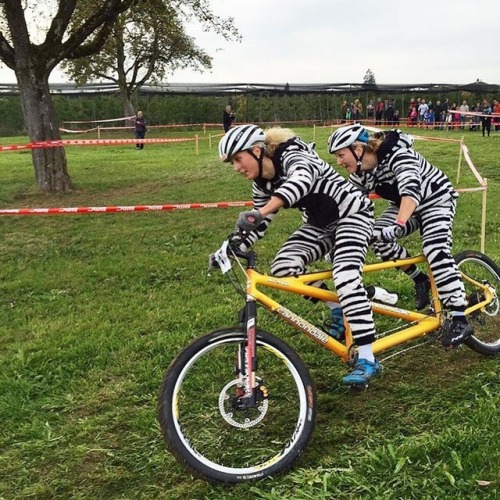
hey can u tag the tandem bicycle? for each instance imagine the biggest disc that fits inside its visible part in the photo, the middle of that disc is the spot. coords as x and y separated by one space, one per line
239 404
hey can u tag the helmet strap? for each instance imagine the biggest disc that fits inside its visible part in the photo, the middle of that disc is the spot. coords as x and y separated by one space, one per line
259 159
359 159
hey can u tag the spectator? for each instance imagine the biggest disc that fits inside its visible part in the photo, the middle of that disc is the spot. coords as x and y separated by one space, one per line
140 129
370 110
464 108
228 118
358 110
431 118
396 118
438 111
446 107
379 111
476 119
389 112
349 112
343 112
422 109
455 116
496 110
485 120
413 117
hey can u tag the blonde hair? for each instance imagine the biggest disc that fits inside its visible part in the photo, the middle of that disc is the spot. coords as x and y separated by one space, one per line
276 136
374 142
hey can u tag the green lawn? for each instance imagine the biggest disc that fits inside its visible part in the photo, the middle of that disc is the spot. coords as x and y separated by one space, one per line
94 308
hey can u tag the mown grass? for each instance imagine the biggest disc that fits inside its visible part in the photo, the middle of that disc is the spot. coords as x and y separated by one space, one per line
94 308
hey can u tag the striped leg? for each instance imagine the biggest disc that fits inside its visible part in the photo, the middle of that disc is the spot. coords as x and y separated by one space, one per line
352 236
436 240
304 246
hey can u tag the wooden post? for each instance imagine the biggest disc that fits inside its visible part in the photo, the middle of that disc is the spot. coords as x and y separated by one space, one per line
483 217
314 132
98 132
460 159
209 141
204 129
196 145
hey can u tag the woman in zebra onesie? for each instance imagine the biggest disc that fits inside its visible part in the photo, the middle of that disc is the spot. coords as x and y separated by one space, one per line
420 197
287 173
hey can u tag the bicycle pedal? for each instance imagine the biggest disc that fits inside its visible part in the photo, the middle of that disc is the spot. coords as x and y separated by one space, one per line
358 387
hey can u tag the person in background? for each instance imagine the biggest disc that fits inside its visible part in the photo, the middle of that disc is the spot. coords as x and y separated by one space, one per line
357 110
370 110
496 110
343 111
464 108
228 118
337 219
396 118
438 110
422 109
486 120
389 112
421 198
140 129
379 111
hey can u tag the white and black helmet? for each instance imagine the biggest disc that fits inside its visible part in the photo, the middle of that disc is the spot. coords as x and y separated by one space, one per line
239 138
344 137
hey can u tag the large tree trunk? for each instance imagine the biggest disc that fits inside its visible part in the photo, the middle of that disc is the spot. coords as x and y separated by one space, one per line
50 164
128 107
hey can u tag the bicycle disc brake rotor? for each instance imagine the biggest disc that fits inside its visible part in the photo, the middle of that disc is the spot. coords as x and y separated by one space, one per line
244 418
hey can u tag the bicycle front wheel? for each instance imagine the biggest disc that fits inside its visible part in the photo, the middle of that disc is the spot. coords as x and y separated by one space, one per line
215 439
477 267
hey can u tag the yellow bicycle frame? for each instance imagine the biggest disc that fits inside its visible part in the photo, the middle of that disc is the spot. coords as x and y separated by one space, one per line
422 323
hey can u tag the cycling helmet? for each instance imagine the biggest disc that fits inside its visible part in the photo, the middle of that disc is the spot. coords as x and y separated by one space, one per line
344 137
239 138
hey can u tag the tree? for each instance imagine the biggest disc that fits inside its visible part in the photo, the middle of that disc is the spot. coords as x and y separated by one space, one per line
369 78
33 63
147 43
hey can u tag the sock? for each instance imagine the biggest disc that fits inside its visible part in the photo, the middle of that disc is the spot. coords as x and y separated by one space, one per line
415 274
366 352
333 305
458 316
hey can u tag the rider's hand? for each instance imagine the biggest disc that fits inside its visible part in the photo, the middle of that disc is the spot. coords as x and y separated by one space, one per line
392 233
248 221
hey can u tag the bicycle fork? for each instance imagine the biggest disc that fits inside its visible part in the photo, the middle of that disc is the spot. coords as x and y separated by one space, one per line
249 391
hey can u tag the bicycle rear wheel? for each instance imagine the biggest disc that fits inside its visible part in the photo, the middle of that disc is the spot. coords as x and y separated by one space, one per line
219 442
486 322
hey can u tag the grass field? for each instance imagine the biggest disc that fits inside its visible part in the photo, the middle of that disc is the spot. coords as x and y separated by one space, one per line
94 307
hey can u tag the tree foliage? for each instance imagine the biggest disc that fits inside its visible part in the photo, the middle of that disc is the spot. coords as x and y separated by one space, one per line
369 78
147 43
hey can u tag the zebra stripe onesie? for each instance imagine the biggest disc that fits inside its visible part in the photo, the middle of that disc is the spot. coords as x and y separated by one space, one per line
401 171
337 216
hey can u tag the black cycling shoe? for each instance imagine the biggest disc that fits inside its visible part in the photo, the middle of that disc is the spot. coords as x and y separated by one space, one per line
422 289
455 332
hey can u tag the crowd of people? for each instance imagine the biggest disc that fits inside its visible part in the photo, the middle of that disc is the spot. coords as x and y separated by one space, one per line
426 114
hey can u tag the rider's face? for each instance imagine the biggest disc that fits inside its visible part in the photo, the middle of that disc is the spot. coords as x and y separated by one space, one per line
346 159
244 163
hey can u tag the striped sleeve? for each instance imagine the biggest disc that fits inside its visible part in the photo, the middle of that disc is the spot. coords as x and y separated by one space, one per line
406 167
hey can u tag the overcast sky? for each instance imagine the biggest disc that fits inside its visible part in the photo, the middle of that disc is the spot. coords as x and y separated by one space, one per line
336 41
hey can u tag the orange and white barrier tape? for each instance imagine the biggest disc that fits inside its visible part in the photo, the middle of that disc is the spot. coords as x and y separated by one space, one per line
118 209
90 142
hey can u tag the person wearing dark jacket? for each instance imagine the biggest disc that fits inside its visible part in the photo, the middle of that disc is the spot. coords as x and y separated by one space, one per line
228 118
140 129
